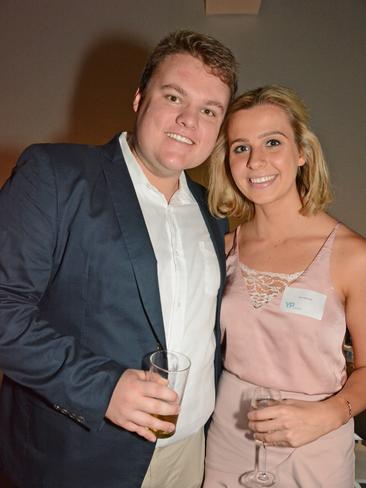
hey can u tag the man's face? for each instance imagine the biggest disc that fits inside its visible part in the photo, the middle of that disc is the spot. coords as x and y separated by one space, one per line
178 116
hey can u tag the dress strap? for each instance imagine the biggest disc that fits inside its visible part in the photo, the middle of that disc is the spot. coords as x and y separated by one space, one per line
331 237
234 245
328 243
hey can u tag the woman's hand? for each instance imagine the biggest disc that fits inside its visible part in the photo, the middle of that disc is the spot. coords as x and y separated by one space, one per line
293 423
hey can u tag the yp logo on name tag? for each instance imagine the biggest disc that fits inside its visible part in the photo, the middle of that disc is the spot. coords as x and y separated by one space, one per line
303 302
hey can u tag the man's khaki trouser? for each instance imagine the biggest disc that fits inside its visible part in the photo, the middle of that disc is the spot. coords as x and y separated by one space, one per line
179 465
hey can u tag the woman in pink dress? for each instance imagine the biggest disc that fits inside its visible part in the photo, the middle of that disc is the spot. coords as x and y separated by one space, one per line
296 278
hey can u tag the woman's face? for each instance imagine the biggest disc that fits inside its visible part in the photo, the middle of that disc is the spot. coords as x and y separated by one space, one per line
263 154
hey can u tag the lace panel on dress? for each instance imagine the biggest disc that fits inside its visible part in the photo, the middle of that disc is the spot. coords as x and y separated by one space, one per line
262 286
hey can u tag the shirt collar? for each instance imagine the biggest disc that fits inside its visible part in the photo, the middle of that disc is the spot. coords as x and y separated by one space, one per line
182 196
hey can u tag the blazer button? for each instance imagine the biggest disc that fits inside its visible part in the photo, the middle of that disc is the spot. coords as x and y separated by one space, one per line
56 407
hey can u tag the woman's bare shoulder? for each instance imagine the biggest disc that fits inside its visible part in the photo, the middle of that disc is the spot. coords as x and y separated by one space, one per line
350 243
350 251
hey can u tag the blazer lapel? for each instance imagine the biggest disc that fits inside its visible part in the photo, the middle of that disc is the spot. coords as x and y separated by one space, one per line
135 235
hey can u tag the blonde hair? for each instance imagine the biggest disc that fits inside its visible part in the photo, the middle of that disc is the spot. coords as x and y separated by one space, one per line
313 185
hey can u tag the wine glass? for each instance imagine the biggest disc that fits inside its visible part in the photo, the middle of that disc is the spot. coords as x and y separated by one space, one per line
262 397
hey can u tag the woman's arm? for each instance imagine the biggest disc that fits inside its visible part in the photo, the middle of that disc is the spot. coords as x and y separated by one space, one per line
351 271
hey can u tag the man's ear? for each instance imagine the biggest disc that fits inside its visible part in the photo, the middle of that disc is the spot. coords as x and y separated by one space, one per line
137 100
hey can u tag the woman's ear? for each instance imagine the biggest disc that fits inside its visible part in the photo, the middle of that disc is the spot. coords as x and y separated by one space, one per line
302 159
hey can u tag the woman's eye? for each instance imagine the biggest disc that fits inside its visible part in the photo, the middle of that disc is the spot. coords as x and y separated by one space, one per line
240 149
273 143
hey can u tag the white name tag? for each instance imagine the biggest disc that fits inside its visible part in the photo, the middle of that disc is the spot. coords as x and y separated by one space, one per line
303 302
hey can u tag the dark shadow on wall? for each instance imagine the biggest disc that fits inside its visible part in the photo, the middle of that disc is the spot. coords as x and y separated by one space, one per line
102 102
101 105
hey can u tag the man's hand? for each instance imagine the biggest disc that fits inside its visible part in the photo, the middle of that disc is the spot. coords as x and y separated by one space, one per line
136 397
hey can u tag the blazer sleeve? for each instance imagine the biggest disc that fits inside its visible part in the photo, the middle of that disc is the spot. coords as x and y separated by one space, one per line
33 354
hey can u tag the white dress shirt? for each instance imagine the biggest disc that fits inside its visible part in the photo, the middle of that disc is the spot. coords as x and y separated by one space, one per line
189 278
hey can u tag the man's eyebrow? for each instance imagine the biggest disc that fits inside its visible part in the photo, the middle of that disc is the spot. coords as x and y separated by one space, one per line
181 91
215 103
177 88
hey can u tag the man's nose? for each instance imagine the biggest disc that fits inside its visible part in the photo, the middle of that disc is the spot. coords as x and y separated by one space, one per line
188 117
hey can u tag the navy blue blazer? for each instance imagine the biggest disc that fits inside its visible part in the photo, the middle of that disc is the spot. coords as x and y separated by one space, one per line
79 304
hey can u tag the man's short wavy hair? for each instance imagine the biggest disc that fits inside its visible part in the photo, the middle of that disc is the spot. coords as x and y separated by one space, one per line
219 59
225 199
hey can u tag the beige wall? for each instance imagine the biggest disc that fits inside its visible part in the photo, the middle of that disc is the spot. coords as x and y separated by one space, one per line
69 70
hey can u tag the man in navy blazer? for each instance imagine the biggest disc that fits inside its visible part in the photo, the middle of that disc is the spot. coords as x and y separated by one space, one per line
101 250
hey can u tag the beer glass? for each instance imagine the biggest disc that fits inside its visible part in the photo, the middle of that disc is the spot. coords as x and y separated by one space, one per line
174 368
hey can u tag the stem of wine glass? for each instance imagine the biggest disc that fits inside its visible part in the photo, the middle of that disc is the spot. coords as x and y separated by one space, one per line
257 453
263 475
264 470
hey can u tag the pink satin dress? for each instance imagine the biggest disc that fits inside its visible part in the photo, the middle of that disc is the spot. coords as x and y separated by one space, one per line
296 353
